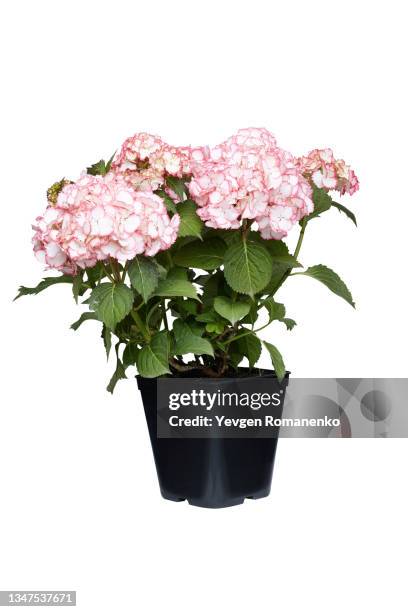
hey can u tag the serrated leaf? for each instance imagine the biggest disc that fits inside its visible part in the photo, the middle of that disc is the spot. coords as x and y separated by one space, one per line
144 275
174 287
207 254
290 323
251 347
101 167
118 374
277 360
230 310
346 211
277 248
321 201
130 353
177 185
77 286
107 340
186 341
111 302
247 266
44 284
332 281
279 269
288 260
85 316
207 317
109 162
275 310
168 202
153 359
177 273
190 222
95 274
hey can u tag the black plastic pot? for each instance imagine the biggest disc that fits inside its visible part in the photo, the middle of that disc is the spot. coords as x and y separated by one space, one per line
212 472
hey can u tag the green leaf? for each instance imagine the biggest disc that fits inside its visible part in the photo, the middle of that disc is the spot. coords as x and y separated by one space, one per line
332 281
101 167
107 340
177 273
288 260
174 287
230 310
186 341
130 353
322 202
208 317
280 253
153 359
206 255
190 222
277 360
109 162
177 185
44 284
168 202
251 347
111 302
247 266
144 275
279 269
276 310
277 248
346 211
118 374
290 323
216 327
77 286
95 274
85 316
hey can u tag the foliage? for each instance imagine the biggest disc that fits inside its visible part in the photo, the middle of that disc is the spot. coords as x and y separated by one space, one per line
200 298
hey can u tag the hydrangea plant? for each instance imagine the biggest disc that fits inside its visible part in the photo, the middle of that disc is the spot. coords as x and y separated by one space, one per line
178 250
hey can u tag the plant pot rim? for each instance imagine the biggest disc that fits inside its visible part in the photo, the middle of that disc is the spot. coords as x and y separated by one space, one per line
241 374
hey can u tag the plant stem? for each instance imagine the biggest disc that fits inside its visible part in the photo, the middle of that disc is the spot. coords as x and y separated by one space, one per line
115 269
143 329
163 305
125 269
108 274
295 255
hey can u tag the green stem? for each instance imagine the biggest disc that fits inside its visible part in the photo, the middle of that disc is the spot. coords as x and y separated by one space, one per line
115 269
142 327
300 240
295 255
108 274
246 333
125 269
163 305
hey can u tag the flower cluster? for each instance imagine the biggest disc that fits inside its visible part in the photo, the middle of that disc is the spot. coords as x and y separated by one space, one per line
119 215
100 217
328 172
144 161
249 177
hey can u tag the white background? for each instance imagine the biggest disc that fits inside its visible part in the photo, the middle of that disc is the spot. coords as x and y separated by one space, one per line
80 507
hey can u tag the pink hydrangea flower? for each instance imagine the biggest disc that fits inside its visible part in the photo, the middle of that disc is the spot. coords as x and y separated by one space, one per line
144 161
328 172
100 217
249 177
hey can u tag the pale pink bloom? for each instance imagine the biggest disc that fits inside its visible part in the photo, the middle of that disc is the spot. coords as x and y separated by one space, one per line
100 217
328 172
145 160
249 177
